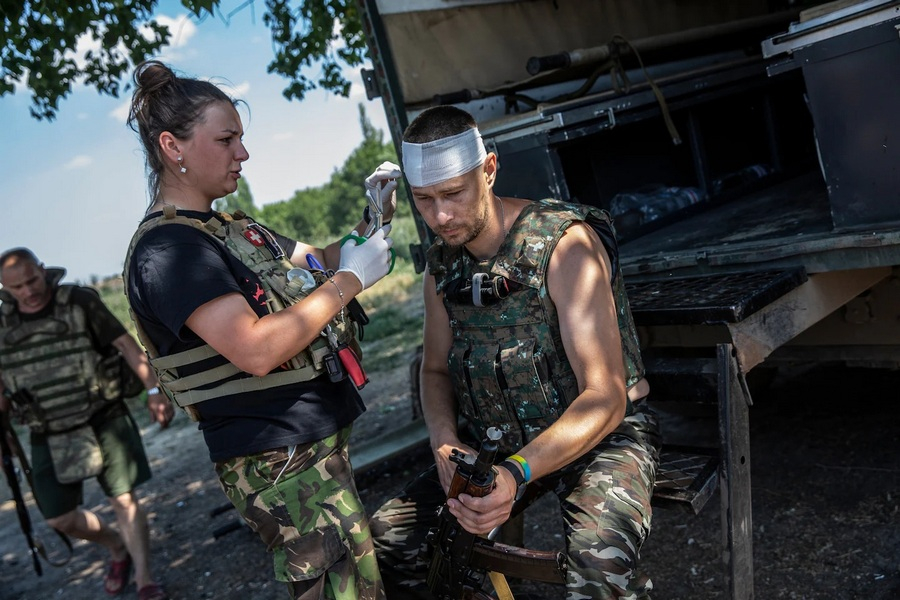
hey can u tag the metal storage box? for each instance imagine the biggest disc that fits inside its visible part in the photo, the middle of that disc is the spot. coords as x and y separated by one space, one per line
850 59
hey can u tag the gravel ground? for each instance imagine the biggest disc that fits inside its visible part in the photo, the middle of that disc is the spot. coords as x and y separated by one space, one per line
826 491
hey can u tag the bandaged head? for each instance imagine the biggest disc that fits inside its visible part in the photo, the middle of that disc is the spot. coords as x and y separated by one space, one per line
439 160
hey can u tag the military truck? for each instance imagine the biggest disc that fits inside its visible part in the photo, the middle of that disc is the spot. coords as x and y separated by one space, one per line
747 152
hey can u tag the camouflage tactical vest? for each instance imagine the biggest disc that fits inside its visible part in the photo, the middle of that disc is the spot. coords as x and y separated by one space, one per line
507 360
255 247
52 361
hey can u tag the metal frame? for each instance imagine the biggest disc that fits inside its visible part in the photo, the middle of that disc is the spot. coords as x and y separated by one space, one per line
389 7
845 20
751 339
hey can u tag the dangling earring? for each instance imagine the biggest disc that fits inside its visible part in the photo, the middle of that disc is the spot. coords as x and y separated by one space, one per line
183 168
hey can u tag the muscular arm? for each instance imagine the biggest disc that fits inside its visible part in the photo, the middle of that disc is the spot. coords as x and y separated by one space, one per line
258 345
161 410
578 281
438 403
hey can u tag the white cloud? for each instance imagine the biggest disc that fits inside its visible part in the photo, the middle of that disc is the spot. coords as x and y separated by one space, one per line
79 162
336 29
20 86
181 29
238 91
84 44
120 113
357 91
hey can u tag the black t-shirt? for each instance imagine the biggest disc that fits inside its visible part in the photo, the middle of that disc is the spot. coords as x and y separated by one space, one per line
174 270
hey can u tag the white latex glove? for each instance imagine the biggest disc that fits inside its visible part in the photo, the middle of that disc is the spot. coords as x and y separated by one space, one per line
387 174
369 261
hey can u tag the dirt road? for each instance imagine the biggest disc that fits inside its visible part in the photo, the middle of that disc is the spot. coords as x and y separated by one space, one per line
826 504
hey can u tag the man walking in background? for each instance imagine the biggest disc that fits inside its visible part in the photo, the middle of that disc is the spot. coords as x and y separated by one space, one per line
61 370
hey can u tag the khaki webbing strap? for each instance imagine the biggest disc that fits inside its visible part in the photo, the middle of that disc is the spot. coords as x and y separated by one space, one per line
660 99
248 384
202 378
183 390
186 357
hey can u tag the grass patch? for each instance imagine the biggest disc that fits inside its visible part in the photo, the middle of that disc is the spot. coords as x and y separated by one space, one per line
391 337
396 314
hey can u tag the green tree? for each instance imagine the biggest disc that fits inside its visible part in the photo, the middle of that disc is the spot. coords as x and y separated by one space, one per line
241 199
346 183
39 38
331 210
303 217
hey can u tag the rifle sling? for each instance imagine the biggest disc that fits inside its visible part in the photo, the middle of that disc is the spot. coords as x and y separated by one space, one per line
35 545
501 586
536 565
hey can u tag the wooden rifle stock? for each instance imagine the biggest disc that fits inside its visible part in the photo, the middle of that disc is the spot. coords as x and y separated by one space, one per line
460 559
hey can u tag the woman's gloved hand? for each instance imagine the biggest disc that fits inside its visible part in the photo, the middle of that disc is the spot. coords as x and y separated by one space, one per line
369 260
387 175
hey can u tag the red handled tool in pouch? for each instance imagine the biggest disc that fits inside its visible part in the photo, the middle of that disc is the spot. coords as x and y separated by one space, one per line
352 366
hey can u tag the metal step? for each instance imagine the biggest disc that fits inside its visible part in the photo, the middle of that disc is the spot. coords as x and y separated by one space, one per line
686 478
708 299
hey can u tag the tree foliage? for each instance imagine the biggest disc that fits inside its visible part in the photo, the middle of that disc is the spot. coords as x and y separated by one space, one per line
40 38
318 215
333 209
241 199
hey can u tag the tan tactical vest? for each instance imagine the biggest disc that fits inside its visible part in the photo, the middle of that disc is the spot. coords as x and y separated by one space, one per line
255 248
63 380
507 360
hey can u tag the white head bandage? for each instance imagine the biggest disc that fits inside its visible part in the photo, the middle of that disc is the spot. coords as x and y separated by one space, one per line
433 162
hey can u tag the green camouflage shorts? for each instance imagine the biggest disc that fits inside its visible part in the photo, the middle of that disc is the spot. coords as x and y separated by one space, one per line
303 503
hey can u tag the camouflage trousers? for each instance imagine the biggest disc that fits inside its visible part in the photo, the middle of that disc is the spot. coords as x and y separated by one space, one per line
303 503
605 502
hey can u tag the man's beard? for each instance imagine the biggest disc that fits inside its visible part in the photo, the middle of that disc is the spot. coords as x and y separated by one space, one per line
472 233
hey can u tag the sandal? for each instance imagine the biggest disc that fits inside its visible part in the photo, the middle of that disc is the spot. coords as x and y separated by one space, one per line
118 576
152 591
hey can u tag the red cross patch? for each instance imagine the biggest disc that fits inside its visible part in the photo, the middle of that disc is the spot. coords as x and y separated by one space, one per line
254 236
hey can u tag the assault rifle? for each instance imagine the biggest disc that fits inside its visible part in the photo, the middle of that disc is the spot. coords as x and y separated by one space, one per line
460 560
7 444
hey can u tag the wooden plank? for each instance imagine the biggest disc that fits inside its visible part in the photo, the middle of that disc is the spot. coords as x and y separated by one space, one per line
734 477
781 321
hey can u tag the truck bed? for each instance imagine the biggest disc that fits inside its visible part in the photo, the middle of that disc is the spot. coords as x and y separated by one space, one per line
787 224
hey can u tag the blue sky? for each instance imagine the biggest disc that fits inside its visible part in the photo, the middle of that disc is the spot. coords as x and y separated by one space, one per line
74 188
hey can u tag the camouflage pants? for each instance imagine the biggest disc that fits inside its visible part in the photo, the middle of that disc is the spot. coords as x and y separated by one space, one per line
605 501
303 503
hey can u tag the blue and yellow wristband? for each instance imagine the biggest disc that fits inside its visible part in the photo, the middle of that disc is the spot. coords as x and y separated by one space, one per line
525 468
